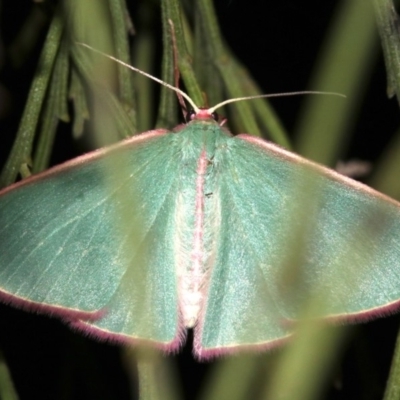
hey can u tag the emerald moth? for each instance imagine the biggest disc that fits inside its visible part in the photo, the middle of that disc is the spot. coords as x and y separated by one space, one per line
197 228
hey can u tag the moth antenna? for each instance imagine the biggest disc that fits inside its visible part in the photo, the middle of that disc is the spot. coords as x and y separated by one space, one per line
191 102
261 96
182 93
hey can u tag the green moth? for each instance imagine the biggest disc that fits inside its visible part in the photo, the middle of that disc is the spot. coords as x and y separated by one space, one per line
196 228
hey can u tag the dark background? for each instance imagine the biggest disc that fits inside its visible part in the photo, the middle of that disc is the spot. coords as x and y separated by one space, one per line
279 42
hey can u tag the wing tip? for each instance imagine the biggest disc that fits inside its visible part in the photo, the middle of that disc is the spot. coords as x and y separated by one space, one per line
367 315
64 313
93 332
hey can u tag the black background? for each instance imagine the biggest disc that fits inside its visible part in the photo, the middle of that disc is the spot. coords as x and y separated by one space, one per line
279 42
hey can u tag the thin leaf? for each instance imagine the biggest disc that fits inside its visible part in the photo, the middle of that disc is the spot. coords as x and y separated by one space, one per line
22 148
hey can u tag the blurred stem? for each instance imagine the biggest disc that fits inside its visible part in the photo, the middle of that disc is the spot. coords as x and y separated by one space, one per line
344 66
392 391
156 376
123 123
232 378
121 45
143 59
7 390
100 75
304 365
22 148
147 381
